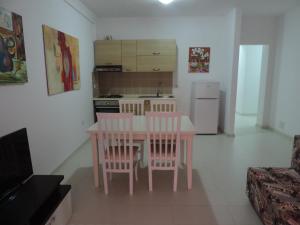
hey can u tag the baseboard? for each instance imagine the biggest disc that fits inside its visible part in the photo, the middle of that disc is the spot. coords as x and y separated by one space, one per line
281 133
246 114
69 165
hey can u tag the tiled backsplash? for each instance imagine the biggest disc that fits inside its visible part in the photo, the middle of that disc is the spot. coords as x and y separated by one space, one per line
132 83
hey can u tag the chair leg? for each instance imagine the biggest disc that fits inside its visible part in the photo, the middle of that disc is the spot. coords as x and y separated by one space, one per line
150 179
131 182
136 171
110 176
182 147
105 181
175 179
142 156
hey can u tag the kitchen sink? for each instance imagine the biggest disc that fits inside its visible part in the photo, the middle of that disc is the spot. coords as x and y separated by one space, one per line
150 96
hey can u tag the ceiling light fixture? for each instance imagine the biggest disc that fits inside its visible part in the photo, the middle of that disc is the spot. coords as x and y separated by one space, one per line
166 1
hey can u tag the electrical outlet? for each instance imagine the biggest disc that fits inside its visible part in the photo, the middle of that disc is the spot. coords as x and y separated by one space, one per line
281 125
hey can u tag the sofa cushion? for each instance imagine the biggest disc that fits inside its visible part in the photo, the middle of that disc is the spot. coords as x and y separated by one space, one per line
275 194
296 154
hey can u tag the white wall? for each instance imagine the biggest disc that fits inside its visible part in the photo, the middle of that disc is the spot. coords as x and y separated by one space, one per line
234 35
286 103
57 124
241 81
188 32
249 79
258 29
263 30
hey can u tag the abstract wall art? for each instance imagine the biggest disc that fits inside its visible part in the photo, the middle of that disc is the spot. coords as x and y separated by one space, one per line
12 48
61 60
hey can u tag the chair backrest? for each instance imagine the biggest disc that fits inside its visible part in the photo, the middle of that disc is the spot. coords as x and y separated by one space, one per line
296 154
115 140
163 105
163 139
132 106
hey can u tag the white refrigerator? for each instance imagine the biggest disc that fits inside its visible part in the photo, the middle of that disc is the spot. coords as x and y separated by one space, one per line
205 107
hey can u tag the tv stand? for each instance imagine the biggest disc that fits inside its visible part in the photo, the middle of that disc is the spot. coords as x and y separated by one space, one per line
42 200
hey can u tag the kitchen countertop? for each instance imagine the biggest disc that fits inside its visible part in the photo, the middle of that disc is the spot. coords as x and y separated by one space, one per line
137 97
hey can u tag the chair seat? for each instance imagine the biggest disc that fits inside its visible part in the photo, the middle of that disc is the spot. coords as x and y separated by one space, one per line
124 153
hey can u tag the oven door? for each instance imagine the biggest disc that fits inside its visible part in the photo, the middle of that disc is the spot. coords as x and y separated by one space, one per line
99 108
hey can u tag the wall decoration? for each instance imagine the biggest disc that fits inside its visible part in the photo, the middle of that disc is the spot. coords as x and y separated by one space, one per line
12 49
199 59
62 61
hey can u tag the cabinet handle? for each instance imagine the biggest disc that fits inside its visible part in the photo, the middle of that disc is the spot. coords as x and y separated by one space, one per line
128 70
156 53
156 69
108 63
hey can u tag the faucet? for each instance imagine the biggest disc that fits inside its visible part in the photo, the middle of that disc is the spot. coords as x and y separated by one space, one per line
158 91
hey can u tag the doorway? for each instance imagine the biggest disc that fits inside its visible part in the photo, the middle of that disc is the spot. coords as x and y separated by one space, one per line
250 87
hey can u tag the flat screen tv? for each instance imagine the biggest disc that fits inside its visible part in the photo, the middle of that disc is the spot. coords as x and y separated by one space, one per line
15 162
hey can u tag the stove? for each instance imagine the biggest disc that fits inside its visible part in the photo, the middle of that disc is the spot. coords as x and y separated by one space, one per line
110 96
108 104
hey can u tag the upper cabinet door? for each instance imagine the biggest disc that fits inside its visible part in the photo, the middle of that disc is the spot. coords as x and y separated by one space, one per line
160 63
129 48
108 52
156 47
129 63
129 55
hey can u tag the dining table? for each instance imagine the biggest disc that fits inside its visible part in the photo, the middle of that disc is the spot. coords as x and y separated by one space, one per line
187 133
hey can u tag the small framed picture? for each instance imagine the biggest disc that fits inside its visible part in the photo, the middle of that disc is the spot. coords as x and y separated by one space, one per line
199 59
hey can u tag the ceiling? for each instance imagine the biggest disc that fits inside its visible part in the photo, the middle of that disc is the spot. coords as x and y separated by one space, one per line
150 8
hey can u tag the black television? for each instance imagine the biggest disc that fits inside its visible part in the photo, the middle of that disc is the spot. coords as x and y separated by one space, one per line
15 162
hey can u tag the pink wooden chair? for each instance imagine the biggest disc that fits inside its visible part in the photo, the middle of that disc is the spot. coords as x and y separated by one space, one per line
163 105
163 143
135 106
117 153
166 105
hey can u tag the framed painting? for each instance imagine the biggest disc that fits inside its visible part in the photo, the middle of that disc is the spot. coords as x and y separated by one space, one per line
199 59
61 60
12 49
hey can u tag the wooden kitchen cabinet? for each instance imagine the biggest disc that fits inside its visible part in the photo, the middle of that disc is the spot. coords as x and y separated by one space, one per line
156 63
129 55
156 55
129 63
108 52
156 47
129 48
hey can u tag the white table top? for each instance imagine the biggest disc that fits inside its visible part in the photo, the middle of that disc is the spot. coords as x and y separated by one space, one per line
139 125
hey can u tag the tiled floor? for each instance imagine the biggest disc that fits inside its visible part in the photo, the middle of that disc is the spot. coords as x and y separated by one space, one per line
245 124
217 198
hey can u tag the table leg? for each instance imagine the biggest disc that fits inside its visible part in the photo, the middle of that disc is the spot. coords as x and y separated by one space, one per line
93 138
189 162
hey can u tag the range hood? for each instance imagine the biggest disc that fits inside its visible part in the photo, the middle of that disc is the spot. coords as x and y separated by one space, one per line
108 68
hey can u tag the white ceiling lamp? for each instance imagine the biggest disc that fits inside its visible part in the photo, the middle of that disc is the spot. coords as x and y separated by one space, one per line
166 1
